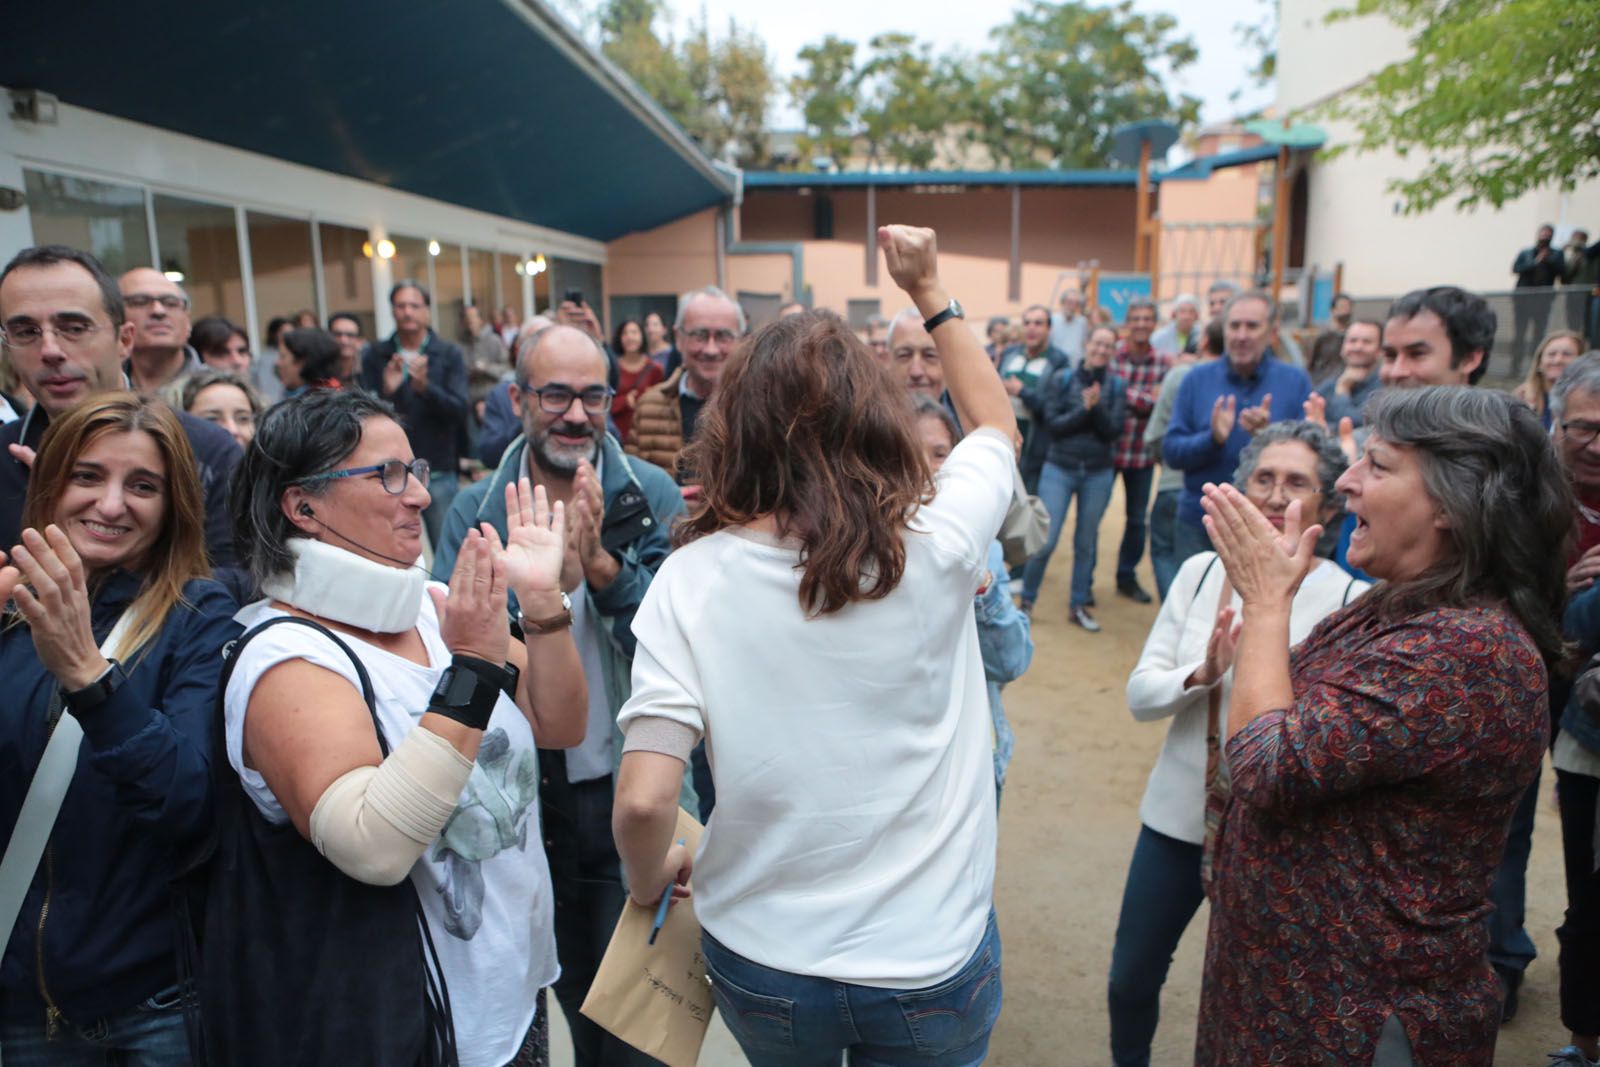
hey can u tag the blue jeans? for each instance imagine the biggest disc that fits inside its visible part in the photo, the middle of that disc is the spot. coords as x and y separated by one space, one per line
150 1034
1056 488
793 1020
1161 896
1163 540
1510 947
442 486
1188 539
1136 483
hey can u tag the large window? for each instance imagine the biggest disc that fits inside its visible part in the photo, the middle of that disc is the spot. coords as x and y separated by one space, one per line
280 263
200 242
99 217
449 291
347 274
480 270
508 285
411 262
569 274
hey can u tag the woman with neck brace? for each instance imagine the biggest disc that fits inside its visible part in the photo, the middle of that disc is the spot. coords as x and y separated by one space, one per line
328 512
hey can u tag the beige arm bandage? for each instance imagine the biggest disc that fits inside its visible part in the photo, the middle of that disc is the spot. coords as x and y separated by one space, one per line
373 823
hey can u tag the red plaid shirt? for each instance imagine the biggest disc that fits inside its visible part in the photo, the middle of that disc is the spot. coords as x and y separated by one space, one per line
1144 385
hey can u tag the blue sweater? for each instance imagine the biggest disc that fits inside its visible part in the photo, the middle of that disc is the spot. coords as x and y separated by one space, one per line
1188 445
140 797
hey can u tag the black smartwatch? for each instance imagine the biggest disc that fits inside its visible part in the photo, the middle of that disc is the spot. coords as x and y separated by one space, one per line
469 689
96 692
954 311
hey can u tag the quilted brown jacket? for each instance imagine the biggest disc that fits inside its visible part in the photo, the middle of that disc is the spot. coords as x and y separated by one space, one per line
657 432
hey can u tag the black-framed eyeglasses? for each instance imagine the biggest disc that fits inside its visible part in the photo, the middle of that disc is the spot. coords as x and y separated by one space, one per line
167 300
392 472
1581 433
724 338
557 399
67 331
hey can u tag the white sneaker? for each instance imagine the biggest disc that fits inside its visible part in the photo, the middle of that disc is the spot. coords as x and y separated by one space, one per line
1571 1056
1082 617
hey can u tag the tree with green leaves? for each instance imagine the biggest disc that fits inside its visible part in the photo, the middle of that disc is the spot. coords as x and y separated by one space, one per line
825 93
1060 77
908 100
1501 97
718 90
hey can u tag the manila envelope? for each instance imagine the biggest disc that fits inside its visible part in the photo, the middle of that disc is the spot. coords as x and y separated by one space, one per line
656 997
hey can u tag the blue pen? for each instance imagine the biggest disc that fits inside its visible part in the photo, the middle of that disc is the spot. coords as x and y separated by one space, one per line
661 910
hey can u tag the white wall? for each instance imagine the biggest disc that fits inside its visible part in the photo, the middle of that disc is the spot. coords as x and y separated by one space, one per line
92 145
1353 219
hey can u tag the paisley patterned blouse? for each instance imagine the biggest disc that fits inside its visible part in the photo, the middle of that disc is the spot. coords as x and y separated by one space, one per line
1355 855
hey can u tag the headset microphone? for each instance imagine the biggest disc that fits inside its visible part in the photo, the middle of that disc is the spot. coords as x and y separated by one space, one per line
305 509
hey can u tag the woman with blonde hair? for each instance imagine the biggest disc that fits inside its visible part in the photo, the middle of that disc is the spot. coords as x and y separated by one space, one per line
1550 360
114 636
816 630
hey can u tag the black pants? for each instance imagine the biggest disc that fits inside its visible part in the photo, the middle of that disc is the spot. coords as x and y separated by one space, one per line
587 876
1579 932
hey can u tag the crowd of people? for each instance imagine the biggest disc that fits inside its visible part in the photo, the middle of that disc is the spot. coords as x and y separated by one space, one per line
564 583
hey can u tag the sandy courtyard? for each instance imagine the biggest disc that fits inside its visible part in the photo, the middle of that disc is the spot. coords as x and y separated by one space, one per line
1067 829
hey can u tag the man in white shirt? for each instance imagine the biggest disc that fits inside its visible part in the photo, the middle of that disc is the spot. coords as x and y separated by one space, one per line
619 511
1069 327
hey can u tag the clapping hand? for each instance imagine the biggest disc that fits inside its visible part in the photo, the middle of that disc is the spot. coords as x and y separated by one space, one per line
1091 395
1224 641
1256 419
47 583
536 541
1316 410
600 567
394 373
1265 567
1222 418
472 618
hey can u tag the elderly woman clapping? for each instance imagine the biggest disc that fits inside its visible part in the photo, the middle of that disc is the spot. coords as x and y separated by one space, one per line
1183 677
1375 768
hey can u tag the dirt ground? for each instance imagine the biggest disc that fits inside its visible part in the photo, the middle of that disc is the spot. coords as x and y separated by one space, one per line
1067 829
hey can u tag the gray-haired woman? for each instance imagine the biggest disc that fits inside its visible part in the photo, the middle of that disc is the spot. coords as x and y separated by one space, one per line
1374 770
1184 675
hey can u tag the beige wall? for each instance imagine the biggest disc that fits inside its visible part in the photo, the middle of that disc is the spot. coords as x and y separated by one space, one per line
1354 218
674 258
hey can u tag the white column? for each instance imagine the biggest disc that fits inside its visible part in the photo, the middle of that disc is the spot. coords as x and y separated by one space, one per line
382 278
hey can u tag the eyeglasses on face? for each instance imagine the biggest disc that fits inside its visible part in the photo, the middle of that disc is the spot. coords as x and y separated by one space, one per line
392 472
557 399
167 300
68 332
722 337
1580 433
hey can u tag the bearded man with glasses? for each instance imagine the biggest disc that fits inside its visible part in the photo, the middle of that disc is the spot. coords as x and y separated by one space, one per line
63 323
619 513
159 310
709 324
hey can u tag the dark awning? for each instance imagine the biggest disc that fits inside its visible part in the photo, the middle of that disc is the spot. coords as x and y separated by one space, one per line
488 104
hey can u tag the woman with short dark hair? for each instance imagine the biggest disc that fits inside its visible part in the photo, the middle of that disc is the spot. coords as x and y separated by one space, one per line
416 779
222 345
312 363
815 628
1375 768
110 646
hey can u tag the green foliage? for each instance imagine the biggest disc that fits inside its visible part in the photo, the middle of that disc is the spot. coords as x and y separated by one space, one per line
825 93
1500 97
1260 39
717 89
1057 79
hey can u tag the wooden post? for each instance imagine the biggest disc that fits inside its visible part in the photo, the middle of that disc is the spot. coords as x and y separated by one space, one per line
1280 221
1155 258
1338 278
1014 273
1091 299
872 234
1141 210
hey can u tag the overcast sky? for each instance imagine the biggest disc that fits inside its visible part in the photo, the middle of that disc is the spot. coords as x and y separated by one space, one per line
789 25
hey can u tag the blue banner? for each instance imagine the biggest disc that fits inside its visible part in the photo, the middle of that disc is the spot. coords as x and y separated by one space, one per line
1117 291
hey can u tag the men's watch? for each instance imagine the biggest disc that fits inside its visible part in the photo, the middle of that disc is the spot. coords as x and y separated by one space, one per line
96 692
954 311
554 624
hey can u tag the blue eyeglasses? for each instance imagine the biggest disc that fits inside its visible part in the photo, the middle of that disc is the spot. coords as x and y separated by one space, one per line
392 472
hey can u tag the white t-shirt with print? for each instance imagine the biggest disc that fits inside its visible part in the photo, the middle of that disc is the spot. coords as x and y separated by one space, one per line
484 885
854 833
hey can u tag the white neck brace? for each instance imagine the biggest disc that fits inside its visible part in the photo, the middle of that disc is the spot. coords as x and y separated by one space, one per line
335 584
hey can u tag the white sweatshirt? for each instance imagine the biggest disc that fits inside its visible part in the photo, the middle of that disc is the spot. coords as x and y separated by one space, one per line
1174 799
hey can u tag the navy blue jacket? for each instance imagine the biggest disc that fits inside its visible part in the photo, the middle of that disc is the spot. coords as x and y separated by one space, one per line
140 797
1082 436
1189 446
434 417
215 452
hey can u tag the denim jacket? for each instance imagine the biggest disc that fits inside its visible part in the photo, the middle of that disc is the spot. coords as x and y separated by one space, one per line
1006 645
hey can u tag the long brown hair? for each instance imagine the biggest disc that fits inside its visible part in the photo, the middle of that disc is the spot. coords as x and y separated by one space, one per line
178 553
808 427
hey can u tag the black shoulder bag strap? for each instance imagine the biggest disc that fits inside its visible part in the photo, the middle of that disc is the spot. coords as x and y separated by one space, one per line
441 1025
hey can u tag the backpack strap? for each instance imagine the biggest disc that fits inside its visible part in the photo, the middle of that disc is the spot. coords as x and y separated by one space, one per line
230 653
